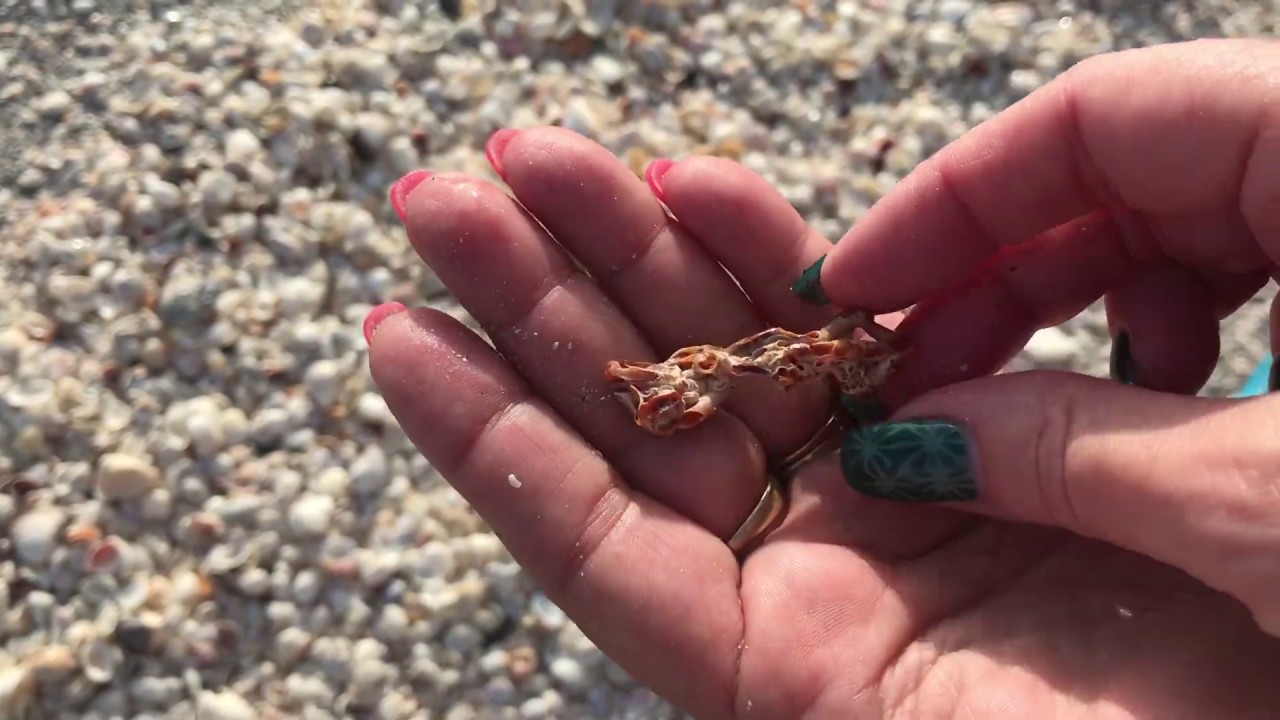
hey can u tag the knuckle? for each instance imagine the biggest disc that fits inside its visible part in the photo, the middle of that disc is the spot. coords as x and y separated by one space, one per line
1055 428
606 519
1259 194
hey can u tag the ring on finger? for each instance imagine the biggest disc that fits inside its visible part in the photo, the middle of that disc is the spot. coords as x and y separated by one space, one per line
772 507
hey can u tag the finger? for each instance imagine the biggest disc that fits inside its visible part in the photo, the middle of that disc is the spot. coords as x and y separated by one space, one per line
559 331
824 512
606 217
1170 319
1274 323
1232 290
1189 481
672 289
975 327
655 592
1175 141
750 228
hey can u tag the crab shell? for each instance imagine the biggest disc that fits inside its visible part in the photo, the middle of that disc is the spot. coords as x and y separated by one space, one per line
687 388
665 400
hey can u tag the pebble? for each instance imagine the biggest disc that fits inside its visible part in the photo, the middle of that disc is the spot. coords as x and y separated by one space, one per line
35 534
224 705
311 515
569 673
122 476
1051 347
369 472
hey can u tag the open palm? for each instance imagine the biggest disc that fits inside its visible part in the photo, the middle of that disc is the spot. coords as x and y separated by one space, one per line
853 608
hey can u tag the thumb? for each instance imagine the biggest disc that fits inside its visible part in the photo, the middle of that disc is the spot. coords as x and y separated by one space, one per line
1192 482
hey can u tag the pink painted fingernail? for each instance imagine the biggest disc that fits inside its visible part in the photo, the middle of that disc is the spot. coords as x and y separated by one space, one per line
653 175
377 315
497 144
400 190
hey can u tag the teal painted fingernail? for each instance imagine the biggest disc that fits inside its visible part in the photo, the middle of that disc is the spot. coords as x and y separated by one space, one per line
809 286
1122 365
910 461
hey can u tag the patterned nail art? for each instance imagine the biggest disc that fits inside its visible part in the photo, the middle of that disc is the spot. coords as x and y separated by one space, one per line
809 286
1122 358
910 461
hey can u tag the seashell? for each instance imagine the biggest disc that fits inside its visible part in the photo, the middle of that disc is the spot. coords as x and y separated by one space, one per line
206 525
82 534
99 589
139 635
345 568
101 660
103 556
51 663
135 594
121 476
17 688
226 557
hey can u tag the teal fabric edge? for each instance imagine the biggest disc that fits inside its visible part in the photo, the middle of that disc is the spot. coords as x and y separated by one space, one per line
1257 382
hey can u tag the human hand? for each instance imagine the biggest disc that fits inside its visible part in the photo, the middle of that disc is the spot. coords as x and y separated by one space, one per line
1152 178
853 607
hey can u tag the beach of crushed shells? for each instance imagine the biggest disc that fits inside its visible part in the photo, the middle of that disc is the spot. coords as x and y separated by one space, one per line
206 509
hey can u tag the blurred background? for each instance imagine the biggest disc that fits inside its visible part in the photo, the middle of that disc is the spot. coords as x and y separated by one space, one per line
205 508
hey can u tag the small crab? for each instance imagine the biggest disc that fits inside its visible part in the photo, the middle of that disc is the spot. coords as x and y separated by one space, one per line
855 352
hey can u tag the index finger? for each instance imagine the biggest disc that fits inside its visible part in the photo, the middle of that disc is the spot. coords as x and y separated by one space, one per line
1180 142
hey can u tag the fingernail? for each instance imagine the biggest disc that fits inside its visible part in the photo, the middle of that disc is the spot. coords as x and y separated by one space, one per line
377 315
865 410
910 461
809 286
399 193
496 145
1122 366
653 175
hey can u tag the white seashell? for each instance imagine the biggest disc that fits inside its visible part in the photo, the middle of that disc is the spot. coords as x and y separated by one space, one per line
17 686
101 661
120 477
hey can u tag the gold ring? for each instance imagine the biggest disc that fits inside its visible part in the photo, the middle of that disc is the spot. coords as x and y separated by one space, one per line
766 515
772 506
828 434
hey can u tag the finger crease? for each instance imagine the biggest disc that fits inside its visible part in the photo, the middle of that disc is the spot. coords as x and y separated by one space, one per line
1139 242
949 190
646 247
467 449
735 686
1251 156
1053 481
788 265
602 523
542 292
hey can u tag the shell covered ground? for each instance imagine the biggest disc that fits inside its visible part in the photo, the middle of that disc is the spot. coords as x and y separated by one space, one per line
205 503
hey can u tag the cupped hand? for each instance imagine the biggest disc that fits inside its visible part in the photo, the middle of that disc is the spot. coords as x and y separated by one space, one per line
857 606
